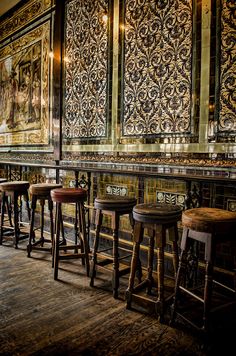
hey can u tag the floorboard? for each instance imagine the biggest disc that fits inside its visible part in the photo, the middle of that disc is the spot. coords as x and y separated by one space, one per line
40 316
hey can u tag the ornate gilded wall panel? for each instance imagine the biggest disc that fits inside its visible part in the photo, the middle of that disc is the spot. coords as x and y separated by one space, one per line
27 13
227 109
157 67
28 157
86 70
25 88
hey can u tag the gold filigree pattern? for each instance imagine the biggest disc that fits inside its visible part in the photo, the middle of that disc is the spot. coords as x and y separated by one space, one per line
22 17
185 160
157 67
86 69
227 114
28 157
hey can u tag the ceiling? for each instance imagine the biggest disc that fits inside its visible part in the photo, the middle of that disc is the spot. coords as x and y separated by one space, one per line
6 5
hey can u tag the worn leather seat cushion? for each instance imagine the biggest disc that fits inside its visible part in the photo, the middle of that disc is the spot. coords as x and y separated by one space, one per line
157 213
114 203
68 195
43 188
14 186
210 220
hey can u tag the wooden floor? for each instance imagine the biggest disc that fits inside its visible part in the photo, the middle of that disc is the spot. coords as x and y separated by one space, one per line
40 316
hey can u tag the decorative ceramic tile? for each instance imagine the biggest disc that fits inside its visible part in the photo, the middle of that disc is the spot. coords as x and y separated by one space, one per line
86 69
227 114
231 205
171 198
157 67
116 190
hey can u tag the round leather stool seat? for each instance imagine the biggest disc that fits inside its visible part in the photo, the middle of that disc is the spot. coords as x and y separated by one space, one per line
43 189
114 203
210 220
14 186
68 195
155 213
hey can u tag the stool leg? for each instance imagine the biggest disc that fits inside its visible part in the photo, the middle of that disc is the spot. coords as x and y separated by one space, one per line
31 234
138 237
9 212
150 260
50 208
56 242
210 256
16 220
42 203
27 204
98 222
139 272
160 240
115 277
83 235
54 236
63 242
175 249
76 230
180 270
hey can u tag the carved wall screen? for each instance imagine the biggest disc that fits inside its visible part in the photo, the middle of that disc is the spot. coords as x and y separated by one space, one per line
86 70
227 109
157 59
25 88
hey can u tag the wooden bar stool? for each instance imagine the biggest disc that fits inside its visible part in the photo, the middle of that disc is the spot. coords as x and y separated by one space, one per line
157 218
41 192
14 190
115 207
65 196
208 226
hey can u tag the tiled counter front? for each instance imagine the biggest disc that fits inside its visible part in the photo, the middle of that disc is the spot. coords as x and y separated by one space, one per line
186 186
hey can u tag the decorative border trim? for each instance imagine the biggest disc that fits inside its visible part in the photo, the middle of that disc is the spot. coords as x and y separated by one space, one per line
21 17
197 160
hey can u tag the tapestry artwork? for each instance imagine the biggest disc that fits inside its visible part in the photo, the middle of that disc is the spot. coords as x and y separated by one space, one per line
24 89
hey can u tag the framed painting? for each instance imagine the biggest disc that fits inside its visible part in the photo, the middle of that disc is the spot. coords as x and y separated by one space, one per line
25 89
